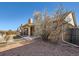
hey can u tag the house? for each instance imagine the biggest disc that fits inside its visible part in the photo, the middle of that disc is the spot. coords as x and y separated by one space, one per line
27 29
71 24
63 25
68 22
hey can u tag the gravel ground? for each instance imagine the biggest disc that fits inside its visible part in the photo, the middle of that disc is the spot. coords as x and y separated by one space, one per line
40 48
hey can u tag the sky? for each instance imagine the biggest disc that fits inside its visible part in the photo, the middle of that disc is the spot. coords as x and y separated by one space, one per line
13 14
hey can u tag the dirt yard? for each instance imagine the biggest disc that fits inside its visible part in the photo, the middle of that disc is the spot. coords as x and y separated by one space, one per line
8 46
40 48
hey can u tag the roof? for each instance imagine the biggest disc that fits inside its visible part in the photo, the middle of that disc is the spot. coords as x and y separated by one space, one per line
73 15
64 16
27 25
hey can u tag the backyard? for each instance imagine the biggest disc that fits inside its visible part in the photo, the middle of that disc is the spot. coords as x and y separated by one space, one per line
41 48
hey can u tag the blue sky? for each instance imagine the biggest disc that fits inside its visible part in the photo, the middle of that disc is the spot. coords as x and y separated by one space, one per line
12 14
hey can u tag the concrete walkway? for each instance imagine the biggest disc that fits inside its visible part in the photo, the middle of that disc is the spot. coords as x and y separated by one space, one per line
40 48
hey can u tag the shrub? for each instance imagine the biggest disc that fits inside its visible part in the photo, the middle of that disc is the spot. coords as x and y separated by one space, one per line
53 38
45 35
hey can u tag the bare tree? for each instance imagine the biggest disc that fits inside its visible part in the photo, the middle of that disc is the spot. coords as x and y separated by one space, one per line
37 23
52 26
46 26
78 26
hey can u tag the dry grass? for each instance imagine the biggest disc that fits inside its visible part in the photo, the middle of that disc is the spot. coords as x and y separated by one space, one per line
17 43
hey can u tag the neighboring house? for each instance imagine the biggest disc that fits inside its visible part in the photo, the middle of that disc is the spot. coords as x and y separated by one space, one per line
69 23
27 29
63 26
